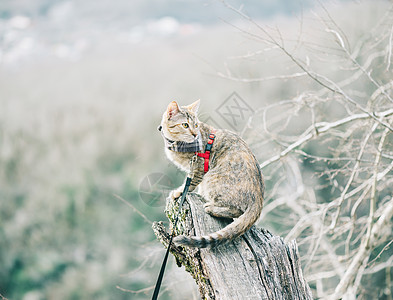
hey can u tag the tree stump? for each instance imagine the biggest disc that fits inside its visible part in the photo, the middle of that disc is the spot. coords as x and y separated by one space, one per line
257 265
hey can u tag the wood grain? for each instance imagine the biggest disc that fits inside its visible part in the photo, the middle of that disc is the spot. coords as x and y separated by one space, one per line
257 265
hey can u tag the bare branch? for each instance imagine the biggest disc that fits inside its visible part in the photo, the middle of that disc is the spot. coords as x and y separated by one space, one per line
390 46
320 128
365 250
267 78
353 174
374 269
2 297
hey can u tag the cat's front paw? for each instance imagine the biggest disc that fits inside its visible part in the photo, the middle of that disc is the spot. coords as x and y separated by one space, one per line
175 194
209 207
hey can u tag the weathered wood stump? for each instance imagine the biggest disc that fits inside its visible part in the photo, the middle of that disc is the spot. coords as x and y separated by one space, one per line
257 265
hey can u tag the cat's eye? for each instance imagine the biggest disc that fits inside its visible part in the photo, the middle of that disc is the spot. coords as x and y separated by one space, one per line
185 125
196 125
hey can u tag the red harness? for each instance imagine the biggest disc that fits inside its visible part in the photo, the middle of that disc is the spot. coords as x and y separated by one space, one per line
208 148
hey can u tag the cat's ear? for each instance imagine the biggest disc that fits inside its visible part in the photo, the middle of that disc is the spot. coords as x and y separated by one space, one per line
194 107
172 109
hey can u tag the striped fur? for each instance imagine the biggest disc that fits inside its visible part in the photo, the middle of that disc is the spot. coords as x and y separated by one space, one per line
237 228
233 187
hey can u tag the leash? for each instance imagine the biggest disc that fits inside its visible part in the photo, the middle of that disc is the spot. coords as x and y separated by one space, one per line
183 197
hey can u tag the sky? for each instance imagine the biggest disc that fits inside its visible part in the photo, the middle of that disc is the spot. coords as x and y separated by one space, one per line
37 29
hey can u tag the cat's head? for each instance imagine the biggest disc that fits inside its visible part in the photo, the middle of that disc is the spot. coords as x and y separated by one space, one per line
180 123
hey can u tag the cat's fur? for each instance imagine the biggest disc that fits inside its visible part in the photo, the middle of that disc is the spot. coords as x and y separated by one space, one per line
233 187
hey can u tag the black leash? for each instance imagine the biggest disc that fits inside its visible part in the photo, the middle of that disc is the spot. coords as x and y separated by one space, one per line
183 197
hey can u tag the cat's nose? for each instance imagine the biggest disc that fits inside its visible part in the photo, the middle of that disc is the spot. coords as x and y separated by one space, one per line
159 128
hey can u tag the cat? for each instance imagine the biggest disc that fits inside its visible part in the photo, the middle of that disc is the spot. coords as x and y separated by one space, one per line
233 186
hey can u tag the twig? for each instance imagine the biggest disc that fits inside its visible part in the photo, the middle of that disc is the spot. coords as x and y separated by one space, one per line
134 208
2 297
145 290
372 263
249 80
374 186
388 284
390 46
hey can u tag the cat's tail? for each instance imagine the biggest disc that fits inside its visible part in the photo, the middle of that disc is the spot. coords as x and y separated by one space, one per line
238 227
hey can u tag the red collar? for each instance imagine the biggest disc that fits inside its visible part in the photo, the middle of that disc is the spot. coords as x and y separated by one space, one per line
208 148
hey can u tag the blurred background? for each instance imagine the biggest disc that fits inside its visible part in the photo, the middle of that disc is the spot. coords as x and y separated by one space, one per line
83 85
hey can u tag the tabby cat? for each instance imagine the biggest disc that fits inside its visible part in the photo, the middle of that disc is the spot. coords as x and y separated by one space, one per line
233 185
